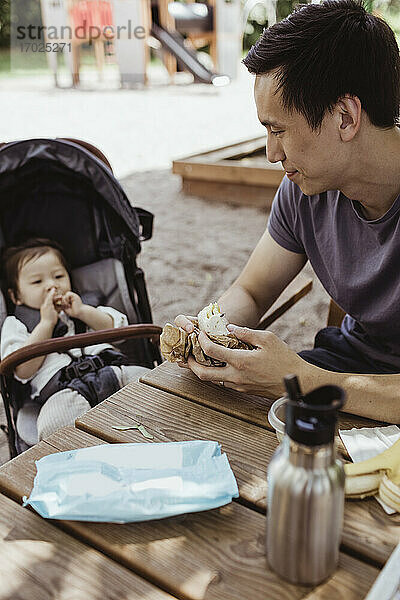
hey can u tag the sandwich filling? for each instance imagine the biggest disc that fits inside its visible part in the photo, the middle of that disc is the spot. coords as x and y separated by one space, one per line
211 320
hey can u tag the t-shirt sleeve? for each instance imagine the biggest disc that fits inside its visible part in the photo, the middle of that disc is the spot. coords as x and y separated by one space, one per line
119 319
284 217
13 336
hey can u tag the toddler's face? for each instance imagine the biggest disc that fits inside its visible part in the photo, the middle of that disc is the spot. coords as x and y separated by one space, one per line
38 276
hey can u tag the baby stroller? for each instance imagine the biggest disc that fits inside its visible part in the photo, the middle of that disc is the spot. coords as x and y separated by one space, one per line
64 190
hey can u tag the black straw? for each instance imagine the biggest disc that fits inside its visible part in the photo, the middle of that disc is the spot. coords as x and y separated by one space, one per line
293 388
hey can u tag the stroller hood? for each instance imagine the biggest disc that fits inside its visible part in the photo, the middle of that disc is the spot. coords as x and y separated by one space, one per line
15 155
57 160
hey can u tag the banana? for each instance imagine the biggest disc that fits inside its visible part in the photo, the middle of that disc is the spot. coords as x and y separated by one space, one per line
389 492
377 475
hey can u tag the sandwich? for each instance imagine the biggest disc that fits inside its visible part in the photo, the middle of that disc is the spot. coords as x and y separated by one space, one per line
58 302
177 345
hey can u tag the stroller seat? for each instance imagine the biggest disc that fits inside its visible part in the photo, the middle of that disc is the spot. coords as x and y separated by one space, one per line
65 191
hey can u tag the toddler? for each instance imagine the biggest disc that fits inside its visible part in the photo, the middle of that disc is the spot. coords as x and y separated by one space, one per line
62 385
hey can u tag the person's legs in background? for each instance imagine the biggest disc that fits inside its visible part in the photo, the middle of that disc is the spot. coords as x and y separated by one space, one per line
333 352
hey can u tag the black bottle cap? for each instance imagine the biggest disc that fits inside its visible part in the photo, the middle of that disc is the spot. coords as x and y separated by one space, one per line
312 420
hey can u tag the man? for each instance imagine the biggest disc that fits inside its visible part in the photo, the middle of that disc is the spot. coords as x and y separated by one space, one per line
327 89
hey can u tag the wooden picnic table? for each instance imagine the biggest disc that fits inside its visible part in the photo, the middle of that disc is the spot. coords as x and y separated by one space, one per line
217 554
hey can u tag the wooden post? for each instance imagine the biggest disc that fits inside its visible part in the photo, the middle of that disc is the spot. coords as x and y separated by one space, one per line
167 21
336 315
132 52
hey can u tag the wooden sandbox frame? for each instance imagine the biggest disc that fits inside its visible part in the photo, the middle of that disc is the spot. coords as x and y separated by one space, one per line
222 174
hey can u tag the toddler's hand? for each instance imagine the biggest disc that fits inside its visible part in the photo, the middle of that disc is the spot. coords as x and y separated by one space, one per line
72 304
48 313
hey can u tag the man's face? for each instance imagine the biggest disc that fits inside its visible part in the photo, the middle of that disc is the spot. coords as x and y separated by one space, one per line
313 160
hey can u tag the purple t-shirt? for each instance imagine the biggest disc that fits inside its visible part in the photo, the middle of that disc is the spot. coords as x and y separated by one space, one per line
356 260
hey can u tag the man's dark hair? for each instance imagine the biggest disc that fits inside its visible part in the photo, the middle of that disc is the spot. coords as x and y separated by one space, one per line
15 257
323 51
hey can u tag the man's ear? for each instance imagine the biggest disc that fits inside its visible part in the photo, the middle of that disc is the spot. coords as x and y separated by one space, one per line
349 116
14 297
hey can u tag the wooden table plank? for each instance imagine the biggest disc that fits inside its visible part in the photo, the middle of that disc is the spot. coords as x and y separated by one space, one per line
169 418
253 409
367 529
40 562
346 588
217 554
10 472
182 382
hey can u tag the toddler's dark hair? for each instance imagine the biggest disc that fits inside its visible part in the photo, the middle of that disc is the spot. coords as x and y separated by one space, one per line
15 257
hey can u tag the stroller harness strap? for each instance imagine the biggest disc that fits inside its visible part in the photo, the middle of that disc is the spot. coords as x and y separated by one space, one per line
90 376
30 317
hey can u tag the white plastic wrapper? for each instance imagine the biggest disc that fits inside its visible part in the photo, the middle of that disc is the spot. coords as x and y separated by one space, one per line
365 442
121 483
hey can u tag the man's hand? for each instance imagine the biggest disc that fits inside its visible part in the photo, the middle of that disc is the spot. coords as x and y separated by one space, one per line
72 304
259 371
185 323
48 313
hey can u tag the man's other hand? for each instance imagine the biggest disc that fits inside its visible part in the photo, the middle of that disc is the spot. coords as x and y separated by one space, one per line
258 371
185 322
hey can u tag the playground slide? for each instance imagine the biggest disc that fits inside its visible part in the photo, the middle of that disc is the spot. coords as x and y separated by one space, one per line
174 43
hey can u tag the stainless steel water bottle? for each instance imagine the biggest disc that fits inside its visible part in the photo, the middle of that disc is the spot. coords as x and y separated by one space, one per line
306 490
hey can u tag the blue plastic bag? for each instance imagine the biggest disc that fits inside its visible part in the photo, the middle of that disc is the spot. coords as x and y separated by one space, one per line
132 482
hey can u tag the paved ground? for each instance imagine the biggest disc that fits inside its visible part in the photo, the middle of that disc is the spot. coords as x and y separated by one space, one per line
138 130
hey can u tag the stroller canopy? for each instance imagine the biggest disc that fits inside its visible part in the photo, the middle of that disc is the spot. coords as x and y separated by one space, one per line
57 189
